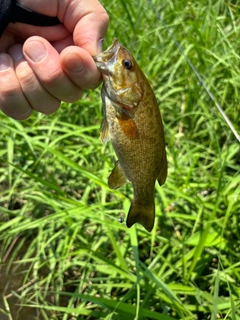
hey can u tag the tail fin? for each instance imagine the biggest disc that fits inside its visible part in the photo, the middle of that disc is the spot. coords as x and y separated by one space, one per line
143 214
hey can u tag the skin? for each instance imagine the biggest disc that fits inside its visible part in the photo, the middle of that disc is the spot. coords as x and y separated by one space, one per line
42 66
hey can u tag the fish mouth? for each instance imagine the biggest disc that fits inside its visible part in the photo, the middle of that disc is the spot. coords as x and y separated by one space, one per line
107 58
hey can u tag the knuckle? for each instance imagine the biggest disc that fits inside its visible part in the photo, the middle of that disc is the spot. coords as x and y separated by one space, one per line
23 115
49 109
9 91
16 113
25 75
104 18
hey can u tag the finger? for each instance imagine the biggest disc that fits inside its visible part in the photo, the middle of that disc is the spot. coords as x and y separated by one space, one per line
38 97
24 31
88 22
44 60
63 43
80 67
12 101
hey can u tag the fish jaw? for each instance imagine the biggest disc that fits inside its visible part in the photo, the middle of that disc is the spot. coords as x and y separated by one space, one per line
107 59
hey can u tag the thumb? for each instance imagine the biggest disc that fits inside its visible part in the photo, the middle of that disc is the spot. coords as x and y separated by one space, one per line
90 30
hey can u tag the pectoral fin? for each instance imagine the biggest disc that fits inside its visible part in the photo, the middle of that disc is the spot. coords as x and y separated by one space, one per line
117 177
127 124
104 135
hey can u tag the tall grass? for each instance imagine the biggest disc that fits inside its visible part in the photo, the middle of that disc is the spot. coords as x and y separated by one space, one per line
64 254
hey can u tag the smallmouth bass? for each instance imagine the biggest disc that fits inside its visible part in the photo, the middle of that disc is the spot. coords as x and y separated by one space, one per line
132 121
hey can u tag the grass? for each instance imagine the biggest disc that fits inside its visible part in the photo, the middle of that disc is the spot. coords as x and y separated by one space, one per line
64 255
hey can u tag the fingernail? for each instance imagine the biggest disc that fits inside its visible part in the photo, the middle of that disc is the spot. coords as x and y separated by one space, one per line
17 54
35 50
73 63
99 46
4 62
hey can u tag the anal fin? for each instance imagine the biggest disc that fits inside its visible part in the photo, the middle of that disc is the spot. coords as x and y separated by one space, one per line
117 178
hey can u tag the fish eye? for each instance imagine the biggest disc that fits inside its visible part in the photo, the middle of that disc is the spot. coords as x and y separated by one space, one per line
127 64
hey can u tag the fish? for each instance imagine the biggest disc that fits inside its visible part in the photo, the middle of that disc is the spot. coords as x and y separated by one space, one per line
133 123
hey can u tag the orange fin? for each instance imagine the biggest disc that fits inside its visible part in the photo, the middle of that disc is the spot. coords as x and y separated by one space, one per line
163 173
127 125
143 214
104 135
117 178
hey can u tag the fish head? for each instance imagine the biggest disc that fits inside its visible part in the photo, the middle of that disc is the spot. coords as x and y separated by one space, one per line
118 66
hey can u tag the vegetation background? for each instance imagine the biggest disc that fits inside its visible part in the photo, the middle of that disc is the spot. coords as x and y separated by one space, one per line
64 254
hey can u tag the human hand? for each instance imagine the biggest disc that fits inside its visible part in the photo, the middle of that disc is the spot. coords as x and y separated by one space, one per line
42 66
